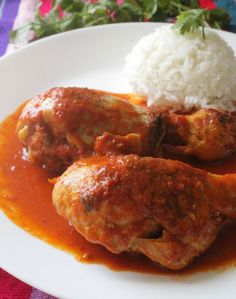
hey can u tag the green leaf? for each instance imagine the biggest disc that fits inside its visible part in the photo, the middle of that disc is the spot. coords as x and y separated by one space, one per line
55 3
190 21
21 34
128 12
72 6
95 15
171 8
70 22
191 3
149 8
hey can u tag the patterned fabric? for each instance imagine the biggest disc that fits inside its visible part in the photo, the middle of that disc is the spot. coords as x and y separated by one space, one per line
8 13
12 288
13 13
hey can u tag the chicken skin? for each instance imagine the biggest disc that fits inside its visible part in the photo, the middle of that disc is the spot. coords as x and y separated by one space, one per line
161 208
62 125
65 124
207 134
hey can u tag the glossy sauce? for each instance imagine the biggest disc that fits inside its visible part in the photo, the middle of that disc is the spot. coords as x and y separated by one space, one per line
25 197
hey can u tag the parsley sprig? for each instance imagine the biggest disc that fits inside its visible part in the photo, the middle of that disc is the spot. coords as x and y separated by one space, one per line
78 14
191 20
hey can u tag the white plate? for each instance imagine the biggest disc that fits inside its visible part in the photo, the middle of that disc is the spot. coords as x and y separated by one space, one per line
92 57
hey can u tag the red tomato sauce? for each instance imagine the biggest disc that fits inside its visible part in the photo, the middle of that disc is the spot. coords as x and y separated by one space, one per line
25 197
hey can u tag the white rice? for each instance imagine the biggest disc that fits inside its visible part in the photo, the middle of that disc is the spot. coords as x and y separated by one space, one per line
183 71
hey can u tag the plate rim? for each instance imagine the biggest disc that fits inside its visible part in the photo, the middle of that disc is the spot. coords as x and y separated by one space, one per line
92 28
51 39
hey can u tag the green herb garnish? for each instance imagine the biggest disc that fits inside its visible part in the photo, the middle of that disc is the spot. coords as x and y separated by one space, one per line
78 14
189 21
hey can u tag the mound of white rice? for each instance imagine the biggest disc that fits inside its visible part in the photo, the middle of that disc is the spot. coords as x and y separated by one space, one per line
183 71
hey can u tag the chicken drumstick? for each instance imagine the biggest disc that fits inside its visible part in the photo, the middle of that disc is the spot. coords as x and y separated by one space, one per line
164 209
206 134
63 124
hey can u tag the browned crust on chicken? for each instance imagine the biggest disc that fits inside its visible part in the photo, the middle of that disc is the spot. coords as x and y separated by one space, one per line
164 209
206 134
61 125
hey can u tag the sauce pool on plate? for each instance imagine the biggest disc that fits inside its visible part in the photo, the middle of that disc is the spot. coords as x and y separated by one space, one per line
25 197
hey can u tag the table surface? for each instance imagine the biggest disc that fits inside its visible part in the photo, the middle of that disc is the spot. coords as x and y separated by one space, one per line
13 13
